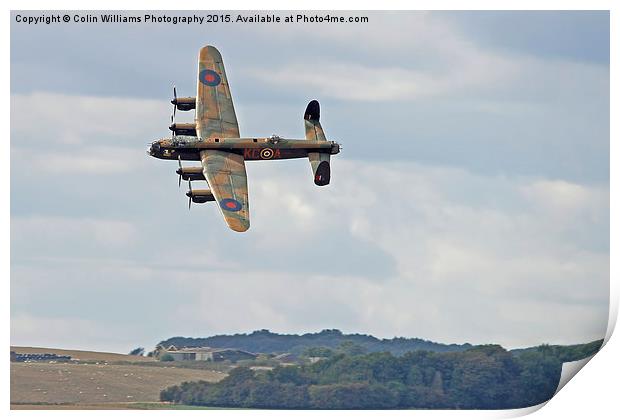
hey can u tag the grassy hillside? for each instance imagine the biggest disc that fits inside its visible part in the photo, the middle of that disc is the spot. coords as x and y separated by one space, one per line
95 379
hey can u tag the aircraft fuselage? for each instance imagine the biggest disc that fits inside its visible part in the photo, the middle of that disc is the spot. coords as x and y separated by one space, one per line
271 148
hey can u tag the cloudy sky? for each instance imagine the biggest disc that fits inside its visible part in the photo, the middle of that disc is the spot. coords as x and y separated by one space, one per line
470 202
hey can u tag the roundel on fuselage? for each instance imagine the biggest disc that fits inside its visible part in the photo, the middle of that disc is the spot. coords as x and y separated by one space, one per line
266 153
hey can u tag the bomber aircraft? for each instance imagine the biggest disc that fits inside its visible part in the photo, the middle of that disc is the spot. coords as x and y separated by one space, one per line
214 140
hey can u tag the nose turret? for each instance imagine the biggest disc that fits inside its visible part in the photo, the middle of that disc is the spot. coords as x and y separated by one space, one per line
154 148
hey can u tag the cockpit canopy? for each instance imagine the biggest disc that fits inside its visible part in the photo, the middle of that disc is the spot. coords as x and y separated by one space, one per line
274 139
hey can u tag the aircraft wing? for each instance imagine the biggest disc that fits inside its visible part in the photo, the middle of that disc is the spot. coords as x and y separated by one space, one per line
225 173
215 114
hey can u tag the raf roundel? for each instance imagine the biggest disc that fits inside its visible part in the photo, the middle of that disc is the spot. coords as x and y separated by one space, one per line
266 153
230 204
210 78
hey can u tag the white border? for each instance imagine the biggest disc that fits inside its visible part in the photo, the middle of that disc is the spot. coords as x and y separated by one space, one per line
591 395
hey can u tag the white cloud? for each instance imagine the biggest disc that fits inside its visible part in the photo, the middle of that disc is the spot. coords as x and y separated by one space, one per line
487 267
350 81
478 259
488 81
71 333
81 135
95 160
468 254
433 59
566 199
57 232
70 120
356 82
462 258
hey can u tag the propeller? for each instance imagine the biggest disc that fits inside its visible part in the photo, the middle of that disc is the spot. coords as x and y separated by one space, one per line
174 111
172 126
180 171
174 101
190 193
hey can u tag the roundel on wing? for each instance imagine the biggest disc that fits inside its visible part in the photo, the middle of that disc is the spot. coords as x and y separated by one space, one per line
230 204
209 77
266 153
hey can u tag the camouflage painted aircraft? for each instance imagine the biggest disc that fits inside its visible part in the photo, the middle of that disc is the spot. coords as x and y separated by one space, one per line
214 140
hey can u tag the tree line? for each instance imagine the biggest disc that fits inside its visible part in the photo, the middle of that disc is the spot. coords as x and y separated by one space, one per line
482 377
265 341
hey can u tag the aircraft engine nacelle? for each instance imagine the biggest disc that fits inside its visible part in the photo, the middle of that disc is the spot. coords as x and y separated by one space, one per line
200 196
183 129
184 104
191 173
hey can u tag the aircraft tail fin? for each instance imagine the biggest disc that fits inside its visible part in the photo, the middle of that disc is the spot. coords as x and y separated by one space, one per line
319 162
314 131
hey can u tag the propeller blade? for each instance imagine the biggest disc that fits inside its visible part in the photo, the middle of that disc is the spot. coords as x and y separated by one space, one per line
190 196
174 102
180 169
